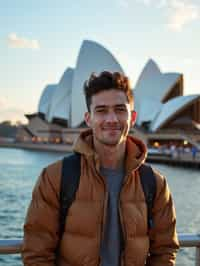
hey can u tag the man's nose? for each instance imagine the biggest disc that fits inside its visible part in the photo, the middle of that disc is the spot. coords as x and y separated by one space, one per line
111 117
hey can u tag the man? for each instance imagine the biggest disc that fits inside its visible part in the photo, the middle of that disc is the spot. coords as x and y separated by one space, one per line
107 223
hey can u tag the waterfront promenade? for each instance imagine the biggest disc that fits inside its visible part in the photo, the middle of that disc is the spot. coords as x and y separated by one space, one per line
184 159
65 148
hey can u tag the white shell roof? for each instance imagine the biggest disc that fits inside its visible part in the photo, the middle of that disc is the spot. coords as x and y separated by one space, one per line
66 99
61 98
45 99
170 108
146 108
150 89
92 58
152 83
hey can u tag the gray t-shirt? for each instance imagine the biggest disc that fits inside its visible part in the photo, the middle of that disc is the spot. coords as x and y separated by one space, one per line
112 241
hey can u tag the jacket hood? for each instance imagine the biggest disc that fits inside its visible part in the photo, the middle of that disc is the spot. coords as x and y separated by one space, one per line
136 151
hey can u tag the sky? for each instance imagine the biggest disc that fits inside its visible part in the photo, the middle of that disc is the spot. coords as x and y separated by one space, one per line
40 39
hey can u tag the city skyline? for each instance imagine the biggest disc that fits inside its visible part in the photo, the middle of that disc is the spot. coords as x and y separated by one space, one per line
40 40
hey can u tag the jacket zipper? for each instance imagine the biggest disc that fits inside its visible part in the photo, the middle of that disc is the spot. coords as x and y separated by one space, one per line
104 214
122 223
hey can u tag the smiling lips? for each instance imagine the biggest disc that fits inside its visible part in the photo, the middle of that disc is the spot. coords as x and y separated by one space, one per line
112 128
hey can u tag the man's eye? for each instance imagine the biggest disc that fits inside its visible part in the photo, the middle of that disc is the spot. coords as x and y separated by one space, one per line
120 109
100 110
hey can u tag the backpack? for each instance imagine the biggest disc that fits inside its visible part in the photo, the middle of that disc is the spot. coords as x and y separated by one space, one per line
70 181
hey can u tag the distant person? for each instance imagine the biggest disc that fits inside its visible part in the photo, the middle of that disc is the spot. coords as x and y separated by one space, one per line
173 151
179 151
194 152
107 223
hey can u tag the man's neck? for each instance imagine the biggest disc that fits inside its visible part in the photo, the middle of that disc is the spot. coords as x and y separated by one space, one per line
111 156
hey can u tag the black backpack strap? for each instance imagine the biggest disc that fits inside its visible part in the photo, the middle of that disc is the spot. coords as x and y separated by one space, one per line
148 181
71 171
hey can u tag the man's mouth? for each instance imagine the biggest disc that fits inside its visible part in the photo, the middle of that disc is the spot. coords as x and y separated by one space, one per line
111 128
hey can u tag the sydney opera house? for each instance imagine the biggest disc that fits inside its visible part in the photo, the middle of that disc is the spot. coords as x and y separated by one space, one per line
163 111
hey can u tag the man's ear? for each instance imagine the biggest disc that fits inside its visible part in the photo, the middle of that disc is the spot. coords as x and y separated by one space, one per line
87 119
133 117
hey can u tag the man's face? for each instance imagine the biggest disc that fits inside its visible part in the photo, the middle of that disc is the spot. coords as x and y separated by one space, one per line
110 117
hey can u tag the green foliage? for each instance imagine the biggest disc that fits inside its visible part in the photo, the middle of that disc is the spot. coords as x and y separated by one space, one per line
8 130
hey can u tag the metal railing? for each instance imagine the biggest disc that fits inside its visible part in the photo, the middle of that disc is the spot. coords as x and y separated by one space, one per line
191 240
14 246
10 246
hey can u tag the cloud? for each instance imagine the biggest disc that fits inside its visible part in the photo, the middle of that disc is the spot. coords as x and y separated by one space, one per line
3 102
10 112
181 13
18 42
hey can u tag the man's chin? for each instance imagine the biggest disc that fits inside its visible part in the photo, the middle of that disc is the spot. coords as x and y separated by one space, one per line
111 142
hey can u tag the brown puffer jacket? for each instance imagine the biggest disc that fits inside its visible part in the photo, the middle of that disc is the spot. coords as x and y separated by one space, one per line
80 244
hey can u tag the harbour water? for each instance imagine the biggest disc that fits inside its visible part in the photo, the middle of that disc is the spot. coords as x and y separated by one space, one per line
19 170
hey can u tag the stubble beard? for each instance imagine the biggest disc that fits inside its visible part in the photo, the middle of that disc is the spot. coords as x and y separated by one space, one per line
108 141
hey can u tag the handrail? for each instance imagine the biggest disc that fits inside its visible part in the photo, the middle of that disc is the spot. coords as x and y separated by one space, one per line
14 246
11 246
191 240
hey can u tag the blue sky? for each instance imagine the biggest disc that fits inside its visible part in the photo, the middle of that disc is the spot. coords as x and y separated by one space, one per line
40 39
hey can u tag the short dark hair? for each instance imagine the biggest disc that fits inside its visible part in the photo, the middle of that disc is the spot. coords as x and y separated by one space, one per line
107 81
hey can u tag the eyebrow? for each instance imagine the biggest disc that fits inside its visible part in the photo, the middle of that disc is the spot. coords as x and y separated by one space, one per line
107 106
